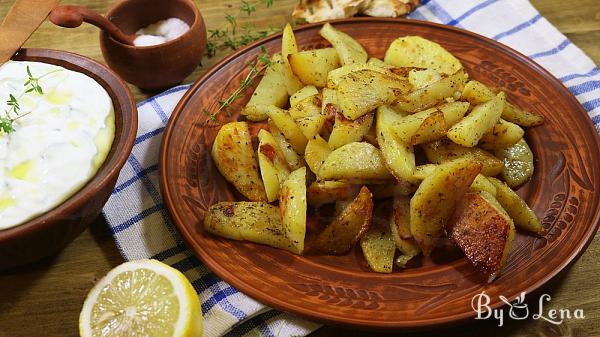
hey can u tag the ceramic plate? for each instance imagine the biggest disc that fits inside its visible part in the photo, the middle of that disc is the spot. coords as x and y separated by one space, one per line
341 289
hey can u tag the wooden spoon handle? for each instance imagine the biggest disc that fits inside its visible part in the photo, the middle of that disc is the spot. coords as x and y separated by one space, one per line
23 18
70 16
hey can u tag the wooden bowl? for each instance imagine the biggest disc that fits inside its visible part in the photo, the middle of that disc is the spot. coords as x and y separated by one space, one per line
52 231
342 290
161 66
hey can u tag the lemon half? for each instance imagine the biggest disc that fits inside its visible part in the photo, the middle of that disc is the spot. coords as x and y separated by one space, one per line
142 298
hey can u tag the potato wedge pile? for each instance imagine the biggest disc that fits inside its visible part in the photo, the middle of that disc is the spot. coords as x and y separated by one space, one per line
399 156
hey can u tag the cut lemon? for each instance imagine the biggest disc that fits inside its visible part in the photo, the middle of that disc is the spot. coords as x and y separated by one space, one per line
142 298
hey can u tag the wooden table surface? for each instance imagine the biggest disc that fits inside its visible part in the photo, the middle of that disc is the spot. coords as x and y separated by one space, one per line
45 299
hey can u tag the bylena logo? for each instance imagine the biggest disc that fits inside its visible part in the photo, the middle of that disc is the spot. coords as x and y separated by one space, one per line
519 310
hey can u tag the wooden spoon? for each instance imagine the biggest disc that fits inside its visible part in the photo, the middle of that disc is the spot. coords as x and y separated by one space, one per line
70 16
23 18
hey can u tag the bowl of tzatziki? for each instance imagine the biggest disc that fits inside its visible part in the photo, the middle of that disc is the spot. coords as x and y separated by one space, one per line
67 126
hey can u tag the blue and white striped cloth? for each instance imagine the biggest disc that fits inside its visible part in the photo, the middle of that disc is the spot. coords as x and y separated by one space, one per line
141 225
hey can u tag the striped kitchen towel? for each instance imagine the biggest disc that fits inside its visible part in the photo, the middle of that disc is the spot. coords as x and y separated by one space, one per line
141 225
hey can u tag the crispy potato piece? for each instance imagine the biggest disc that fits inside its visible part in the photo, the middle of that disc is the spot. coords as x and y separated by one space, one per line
379 63
292 205
289 46
323 192
415 51
302 94
348 227
478 93
444 150
400 228
433 94
433 128
434 201
356 162
407 127
468 131
273 166
234 156
312 66
516 207
391 189
271 90
335 76
518 163
420 78
285 123
481 183
308 116
484 232
252 221
348 49
346 131
362 91
502 135
317 150
378 247
399 156
293 159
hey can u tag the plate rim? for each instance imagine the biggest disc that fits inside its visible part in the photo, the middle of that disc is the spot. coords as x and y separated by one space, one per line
274 303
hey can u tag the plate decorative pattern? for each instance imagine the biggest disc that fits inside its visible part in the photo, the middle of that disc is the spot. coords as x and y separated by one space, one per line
341 289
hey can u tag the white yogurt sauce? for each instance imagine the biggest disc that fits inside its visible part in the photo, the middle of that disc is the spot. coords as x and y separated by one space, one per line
160 32
56 148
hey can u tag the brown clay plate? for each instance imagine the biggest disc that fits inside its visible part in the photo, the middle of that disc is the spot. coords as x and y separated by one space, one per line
342 290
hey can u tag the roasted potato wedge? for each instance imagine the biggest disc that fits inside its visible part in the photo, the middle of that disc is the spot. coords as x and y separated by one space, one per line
289 46
346 131
415 51
518 163
348 227
482 119
399 156
432 94
378 247
312 66
391 189
293 159
484 232
407 127
355 163
502 135
481 183
302 94
252 221
271 90
323 192
400 228
308 116
444 150
285 123
434 127
434 201
516 207
234 157
317 150
420 78
348 49
335 76
292 205
362 91
273 166
478 93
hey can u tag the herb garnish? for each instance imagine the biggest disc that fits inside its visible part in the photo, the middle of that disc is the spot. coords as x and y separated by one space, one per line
233 36
13 112
256 67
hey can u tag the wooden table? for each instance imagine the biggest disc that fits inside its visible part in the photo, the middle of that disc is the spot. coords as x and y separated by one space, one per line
45 299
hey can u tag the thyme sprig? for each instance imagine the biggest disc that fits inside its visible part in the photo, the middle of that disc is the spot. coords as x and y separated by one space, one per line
234 36
256 67
13 111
